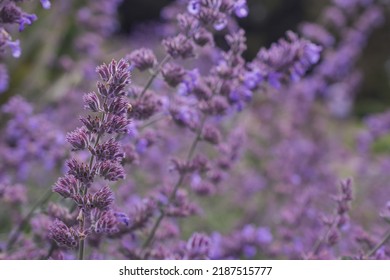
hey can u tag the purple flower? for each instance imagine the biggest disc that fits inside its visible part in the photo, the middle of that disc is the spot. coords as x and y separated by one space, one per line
80 171
116 77
241 9
10 13
104 222
173 74
292 58
211 134
198 246
67 186
63 235
119 106
122 218
92 102
111 171
26 19
103 198
93 125
143 59
109 150
179 46
45 4
78 138
117 124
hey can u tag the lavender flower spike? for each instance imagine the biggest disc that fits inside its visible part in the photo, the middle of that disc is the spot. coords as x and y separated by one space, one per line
108 116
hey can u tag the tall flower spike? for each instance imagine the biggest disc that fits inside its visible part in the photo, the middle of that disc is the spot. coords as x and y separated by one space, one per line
108 116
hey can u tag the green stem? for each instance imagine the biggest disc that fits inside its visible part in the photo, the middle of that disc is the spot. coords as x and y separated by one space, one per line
380 244
180 181
14 236
81 247
154 75
155 120
81 215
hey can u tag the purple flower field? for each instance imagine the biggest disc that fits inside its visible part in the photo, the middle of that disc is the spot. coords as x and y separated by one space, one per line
169 143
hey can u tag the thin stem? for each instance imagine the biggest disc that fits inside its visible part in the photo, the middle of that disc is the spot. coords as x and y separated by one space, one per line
50 252
154 75
380 244
23 223
155 120
180 181
81 247
320 240
177 186
81 217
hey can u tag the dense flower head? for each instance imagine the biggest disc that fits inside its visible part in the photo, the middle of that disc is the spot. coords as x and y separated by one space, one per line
173 74
10 13
109 150
104 222
79 139
115 77
118 106
110 171
179 46
103 198
117 124
292 57
80 171
63 235
67 186
92 102
142 59
108 116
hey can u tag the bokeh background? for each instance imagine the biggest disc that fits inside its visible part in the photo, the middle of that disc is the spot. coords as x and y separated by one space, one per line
268 21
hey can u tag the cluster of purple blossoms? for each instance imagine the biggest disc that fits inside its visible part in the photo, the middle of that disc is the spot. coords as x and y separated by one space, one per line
97 137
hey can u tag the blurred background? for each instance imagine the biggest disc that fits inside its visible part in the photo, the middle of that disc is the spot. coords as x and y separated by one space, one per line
270 19
60 52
